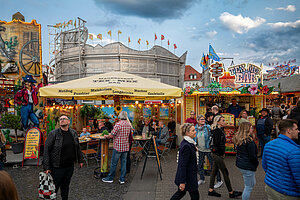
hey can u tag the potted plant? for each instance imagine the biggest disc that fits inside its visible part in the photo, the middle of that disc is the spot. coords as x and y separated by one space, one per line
13 122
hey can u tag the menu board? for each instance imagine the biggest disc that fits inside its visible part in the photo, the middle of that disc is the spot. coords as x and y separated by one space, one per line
229 119
252 120
259 102
189 106
32 142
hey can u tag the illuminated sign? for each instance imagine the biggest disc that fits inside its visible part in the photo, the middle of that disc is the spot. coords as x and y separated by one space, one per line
245 74
216 70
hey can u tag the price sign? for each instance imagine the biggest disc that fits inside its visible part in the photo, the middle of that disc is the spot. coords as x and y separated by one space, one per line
32 144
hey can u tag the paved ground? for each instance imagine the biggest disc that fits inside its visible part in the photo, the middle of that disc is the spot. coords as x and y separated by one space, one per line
85 187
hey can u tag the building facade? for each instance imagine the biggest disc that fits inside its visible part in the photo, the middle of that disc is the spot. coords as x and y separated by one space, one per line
192 78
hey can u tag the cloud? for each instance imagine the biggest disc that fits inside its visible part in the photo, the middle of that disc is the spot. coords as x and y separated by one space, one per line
295 24
153 9
268 8
108 23
289 8
240 24
211 34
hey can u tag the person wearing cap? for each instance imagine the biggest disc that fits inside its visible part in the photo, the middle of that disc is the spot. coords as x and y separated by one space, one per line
234 108
264 126
27 97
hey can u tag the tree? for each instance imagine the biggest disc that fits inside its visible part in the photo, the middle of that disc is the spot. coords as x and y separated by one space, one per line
12 122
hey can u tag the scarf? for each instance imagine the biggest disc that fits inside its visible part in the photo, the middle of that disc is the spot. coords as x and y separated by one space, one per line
189 140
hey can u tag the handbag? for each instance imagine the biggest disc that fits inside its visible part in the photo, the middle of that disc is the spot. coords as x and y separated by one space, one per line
46 186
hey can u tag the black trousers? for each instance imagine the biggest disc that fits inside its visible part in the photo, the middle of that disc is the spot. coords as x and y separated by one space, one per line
62 178
179 194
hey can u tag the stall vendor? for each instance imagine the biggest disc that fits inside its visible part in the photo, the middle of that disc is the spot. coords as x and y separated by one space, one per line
234 108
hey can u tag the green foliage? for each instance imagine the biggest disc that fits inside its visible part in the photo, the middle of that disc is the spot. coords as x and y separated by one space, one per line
12 122
6 134
12 43
90 112
50 125
105 132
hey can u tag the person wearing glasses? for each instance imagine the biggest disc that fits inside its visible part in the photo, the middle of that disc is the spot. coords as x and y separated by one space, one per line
192 118
61 151
218 155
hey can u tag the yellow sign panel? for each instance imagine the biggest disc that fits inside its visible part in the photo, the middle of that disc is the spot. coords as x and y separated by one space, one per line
259 102
229 119
32 141
189 106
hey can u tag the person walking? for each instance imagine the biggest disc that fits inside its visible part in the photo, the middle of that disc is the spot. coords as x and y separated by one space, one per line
218 154
120 133
246 157
60 152
264 126
203 139
281 162
186 175
2 150
277 113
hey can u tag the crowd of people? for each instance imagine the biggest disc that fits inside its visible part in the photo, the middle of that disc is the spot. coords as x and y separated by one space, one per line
280 157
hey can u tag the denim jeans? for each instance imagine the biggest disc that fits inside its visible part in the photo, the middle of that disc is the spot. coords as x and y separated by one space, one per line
263 140
249 182
1 165
201 163
27 113
114 162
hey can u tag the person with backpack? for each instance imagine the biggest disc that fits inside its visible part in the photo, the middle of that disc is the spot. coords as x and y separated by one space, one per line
203 139
264 126
246 157
218 154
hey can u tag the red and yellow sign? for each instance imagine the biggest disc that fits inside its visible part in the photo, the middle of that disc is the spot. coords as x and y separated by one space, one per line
32 142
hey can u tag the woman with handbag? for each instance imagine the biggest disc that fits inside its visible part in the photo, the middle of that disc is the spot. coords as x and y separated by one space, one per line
246 158
218 155
186 175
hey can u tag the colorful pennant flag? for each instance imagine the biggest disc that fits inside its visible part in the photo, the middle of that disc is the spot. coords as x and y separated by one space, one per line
129 40
168 42
139 41
75 23
212 54
119 32
99 36
109 33
91 37
147 42
155 36
162 37
203 62
70 22
175 47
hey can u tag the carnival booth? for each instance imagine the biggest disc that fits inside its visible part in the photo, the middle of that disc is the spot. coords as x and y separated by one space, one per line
241 82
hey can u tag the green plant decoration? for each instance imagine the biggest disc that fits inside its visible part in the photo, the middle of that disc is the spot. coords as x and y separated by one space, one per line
6 134
12 122
214 87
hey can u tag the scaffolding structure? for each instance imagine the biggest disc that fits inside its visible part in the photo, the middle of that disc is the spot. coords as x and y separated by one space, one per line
62 38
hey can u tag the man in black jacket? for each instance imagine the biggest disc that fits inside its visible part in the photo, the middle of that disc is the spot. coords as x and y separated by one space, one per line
61 151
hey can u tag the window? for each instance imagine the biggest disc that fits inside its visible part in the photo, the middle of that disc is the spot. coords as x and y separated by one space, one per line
195 76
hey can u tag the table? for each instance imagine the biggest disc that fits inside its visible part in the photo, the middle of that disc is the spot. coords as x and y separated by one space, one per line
142 142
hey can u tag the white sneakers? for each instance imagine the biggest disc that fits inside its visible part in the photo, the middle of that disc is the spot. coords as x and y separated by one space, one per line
218 184
200 182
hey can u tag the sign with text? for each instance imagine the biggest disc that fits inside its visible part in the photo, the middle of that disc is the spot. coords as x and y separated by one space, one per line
32 144
229 119
189 106
216 70
245 74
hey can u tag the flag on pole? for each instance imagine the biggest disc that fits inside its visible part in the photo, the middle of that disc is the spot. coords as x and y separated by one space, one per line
155 36
99 36
109 33
147 42
175 47
91 37
168 42
75 23
293 61
119 32
129 40
162 37
203 62
139 41
212 54
70 22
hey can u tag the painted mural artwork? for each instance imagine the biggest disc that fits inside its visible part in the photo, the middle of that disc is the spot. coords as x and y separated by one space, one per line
245 74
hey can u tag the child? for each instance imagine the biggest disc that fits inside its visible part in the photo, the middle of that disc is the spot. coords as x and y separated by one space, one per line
2 150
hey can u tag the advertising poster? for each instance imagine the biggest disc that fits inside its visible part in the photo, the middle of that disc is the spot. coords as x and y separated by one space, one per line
164 112
147 112
32 141
229 119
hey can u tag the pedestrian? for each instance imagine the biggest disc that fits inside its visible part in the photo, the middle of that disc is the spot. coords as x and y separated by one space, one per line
8 188
203 139
120 133
209 118
186 175
244 117
295 114
281 162
192 118
234 108
218 155
162 133
264 126
60 152
172 126
277 113
246 157
2 150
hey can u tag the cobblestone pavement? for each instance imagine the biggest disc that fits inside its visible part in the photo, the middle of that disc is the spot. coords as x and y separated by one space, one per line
166 188
83 184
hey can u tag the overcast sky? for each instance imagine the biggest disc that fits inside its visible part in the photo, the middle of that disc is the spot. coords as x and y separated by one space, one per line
256 31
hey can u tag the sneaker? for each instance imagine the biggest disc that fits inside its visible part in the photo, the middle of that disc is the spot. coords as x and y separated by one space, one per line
200 182
106 180
214 194
218 184
235 194
121 182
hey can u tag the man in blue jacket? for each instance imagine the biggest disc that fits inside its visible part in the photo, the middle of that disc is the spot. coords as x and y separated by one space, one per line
281 162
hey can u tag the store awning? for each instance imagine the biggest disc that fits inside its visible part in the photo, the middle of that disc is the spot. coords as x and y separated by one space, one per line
108 85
